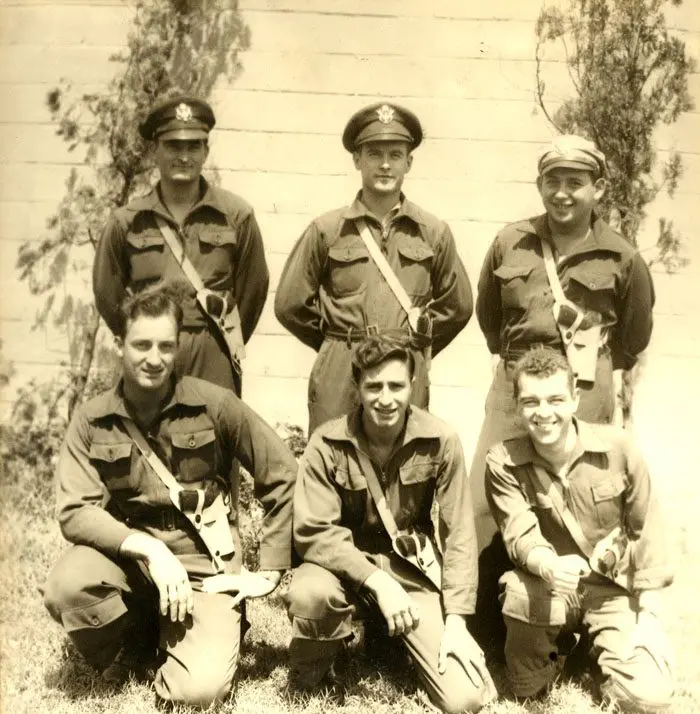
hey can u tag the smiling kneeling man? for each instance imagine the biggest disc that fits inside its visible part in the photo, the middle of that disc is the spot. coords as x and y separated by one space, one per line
156 560
364 477
583 526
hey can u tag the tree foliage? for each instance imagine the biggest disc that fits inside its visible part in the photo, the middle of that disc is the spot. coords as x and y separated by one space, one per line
173 46
629 74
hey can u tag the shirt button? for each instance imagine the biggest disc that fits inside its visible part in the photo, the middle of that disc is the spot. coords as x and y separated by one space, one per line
110 454
217 240
192 443
95 620
591 284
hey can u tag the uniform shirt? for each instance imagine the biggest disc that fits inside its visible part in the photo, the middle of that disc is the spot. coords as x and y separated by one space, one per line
331 282
103 480
608 487
605 276
336 521
221 238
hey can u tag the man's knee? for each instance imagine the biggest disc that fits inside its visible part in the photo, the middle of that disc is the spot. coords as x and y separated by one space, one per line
642 684
313 592
199 686
456 693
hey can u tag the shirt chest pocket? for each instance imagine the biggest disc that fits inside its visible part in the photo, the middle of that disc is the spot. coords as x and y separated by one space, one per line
347 269
217 249
608 500
113 463
594 292
145 255
354 494
416 259
194 455
516 285
417 486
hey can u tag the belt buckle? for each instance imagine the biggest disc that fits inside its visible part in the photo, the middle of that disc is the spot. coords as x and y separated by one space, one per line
372 329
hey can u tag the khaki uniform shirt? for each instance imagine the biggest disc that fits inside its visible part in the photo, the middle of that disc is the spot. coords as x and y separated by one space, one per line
336 521
330 282
106 489
221 237
605 276
608 487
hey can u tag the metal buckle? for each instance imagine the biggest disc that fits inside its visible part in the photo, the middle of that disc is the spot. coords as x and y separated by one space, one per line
372 329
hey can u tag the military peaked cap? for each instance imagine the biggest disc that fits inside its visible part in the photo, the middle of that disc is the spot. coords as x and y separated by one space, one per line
382 122
181 117
572 152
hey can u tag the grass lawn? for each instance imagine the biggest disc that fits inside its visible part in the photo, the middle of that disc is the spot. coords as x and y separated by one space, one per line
41 673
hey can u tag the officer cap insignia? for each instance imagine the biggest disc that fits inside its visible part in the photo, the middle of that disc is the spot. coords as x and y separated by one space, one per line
183 112
385 114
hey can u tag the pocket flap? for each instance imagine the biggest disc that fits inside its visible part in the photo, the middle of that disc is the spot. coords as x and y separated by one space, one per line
608 489
350 481
142 241
348 254
192 439
593 281
110 452
417 473
508 272
529 599
223 237
415 251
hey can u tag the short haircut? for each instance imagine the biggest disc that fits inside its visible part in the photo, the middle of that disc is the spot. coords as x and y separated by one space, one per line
377 349
542 362
153 301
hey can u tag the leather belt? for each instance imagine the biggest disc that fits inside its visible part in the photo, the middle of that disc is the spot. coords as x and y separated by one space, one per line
352 334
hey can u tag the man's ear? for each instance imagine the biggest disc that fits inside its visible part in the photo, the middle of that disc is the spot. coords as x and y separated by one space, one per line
409 162
119 345
600 185
356 159
538 183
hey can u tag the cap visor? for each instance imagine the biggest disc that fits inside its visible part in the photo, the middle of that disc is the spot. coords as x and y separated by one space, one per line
569 164
185 134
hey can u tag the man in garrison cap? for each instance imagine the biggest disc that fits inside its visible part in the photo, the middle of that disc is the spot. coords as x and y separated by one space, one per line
215 230
599 315
333 292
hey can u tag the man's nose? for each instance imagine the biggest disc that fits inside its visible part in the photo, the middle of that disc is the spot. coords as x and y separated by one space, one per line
385 396
154 356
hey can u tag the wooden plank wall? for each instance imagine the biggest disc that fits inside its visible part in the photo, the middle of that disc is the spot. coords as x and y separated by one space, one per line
465 67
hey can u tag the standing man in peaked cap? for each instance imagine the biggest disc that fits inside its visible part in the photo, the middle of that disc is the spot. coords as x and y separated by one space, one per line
333 293
216 230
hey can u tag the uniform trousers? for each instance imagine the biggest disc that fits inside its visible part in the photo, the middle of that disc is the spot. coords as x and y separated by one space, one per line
596 405
322 608
101 601
203 354
638 676
332 391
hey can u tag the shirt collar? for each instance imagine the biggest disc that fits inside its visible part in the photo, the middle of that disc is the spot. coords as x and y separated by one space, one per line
600 237
419 425
152 201
522 451
112 402
407 208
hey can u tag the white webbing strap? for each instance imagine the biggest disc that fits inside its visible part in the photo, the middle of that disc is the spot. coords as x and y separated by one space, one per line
572 525
413 313
426 559
211 523
233 342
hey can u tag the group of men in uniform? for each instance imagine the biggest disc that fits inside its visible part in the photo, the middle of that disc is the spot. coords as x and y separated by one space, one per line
557 521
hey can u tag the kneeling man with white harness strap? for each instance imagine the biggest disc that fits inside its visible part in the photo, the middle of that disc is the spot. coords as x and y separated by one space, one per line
145 496
583 525
362 525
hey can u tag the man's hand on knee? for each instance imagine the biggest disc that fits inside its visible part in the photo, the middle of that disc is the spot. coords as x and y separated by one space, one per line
167 572
244 584
402 615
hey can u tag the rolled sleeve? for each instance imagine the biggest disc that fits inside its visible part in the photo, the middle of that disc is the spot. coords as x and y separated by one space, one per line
81 495
515 518
318 536
459 574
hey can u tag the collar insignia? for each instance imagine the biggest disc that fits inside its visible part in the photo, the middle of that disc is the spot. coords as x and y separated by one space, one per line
183 112
385 114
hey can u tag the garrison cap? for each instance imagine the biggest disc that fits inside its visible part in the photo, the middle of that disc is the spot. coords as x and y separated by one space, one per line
181 117
572 152
382 122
